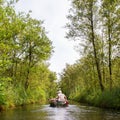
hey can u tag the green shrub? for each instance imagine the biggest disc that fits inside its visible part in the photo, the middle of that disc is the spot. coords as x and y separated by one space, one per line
105 99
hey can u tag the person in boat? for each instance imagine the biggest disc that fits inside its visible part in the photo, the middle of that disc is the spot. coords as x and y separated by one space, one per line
60 100
61 97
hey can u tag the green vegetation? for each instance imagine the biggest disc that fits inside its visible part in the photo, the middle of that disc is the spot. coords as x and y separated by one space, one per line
24 49
95 77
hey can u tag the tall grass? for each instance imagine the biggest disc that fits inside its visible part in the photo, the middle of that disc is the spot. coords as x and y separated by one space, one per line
106 99
16 96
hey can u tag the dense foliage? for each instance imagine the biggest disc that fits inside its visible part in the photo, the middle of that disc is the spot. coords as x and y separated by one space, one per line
95 77
24 49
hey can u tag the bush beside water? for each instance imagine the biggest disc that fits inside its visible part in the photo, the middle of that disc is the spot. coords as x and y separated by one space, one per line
105 99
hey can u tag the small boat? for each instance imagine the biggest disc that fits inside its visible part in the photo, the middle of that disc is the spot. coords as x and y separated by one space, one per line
55 103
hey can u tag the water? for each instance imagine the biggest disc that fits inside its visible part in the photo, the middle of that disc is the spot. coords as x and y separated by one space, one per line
73 112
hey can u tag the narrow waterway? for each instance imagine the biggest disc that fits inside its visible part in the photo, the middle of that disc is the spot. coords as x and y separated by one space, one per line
72 112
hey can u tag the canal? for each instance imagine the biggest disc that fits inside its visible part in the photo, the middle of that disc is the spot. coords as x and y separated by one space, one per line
72 112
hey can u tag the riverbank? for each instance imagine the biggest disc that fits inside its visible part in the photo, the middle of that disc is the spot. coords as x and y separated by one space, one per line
20 97
13 106
106 99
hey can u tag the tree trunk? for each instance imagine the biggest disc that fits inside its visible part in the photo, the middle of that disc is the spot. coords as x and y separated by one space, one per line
110 64
29 66
95 51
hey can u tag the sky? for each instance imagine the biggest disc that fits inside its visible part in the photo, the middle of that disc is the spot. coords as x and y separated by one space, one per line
53 13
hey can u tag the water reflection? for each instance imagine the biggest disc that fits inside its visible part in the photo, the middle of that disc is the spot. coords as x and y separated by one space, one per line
73 112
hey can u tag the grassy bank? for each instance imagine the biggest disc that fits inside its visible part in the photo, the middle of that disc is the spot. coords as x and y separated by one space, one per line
105 99
18 97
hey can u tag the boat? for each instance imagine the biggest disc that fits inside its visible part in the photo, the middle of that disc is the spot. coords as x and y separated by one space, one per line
55 103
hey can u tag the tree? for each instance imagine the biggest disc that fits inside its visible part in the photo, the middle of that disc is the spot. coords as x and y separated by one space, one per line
36 45
24 46
109 12
83 27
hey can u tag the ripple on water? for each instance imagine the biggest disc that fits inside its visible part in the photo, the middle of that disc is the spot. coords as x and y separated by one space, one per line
72 112
59 113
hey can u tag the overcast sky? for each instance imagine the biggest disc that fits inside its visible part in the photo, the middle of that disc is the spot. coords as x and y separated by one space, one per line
53 12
